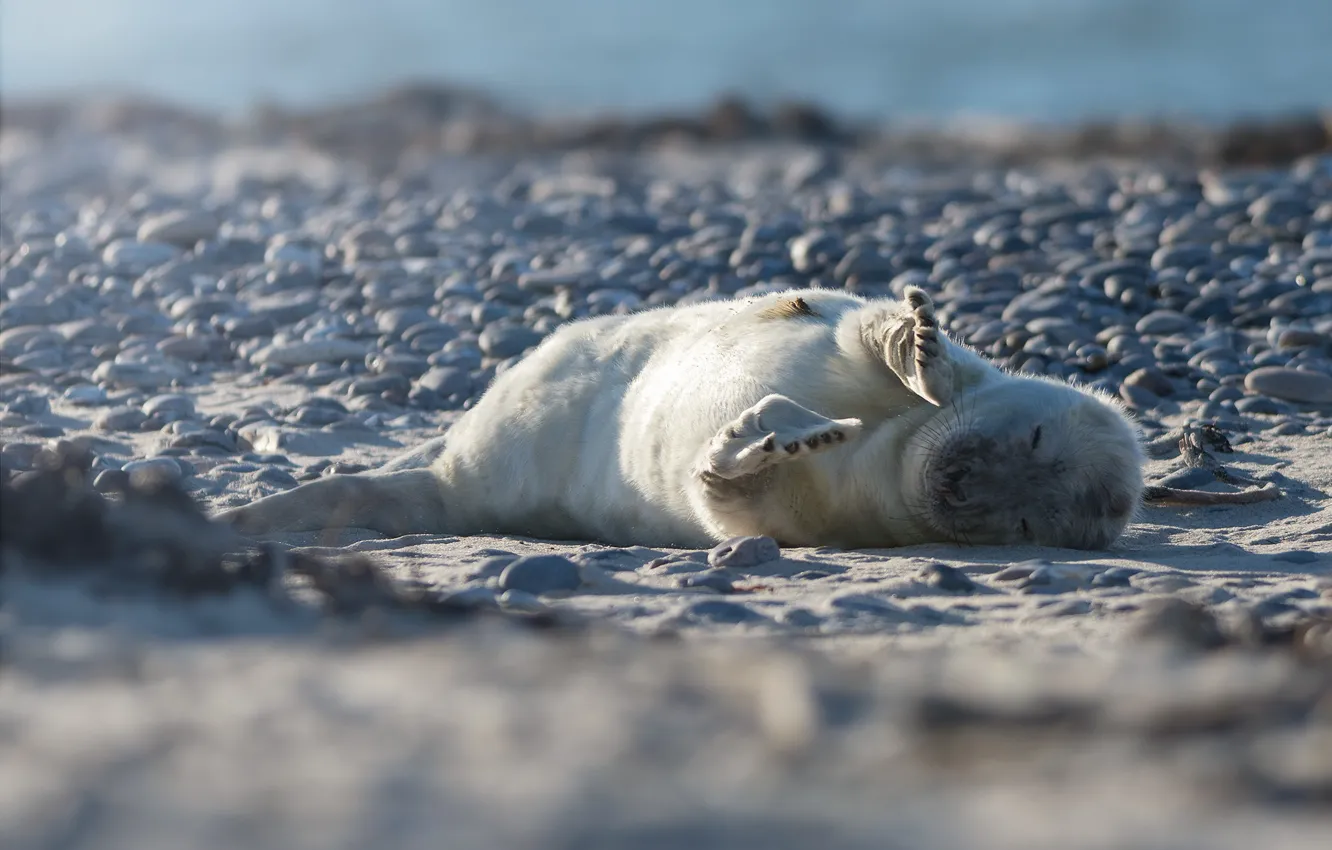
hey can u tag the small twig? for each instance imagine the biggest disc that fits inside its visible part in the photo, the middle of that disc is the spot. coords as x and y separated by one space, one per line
1173 496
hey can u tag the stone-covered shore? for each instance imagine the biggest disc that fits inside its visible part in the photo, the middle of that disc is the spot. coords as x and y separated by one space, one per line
196 312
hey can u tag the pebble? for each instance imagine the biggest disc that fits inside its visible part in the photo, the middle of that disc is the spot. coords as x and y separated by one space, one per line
519 600
799 618
1179 622
1152 380
134 256
144 376
744 552
179 228
1017 572
111 481
1290 384
947 578
1163 323
471 598
716 579
447 381
120 419
169 407
153 469
721 612
1114 577
31 404
328 350
504 341
1296 556
541 574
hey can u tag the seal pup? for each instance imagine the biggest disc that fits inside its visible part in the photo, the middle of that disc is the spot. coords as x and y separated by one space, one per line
816 417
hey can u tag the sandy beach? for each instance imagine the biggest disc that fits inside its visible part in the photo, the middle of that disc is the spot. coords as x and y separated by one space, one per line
229 313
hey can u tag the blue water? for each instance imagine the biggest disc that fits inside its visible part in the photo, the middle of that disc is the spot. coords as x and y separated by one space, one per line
1030 59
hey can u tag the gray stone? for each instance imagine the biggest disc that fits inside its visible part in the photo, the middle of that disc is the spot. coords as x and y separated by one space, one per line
1113 577
111 481
721 611
1296 556
947 578
471 599
716 579
275 439
282 308
1260 406
36 361
520 600
744 552
1137 397
204 438
1163 323
799 618
504 341
153 469
447 381
1017 572
1152 380
1290 384
141 376
120 419
303 353
31 404
540 574
181 228
169 406
135 256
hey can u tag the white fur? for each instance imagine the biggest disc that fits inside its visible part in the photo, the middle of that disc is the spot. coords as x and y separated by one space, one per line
612 430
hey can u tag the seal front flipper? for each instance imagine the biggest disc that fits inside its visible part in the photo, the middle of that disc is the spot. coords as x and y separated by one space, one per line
773 431
910 343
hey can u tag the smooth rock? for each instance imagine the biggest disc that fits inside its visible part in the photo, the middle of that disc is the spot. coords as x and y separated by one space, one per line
307 353
136 256
715 579
743 552
471 598
520 600
153 469
1163 323
721 611
505 341
447 381
1152 380
947 578
1290 384
136 375
180 228
120 419
169 406
541 574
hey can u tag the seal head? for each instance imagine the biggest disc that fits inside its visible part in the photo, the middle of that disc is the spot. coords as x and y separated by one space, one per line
1028 461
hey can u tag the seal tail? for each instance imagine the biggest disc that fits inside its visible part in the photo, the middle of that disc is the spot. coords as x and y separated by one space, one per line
393 503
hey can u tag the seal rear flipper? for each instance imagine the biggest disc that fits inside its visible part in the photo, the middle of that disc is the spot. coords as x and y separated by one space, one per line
393 503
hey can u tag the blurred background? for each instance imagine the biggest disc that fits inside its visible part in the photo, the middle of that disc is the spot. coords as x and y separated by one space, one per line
1043 60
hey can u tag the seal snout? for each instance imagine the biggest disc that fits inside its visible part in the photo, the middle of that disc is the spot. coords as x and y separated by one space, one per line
953 473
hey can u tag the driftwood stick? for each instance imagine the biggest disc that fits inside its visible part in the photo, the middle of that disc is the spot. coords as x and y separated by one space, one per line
1175 497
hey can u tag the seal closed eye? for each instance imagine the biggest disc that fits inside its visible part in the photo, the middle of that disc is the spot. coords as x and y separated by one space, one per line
816 417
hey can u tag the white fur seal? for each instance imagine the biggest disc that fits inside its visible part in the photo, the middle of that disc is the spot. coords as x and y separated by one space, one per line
813 416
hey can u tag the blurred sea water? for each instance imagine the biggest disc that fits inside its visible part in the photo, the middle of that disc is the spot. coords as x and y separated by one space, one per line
1046 60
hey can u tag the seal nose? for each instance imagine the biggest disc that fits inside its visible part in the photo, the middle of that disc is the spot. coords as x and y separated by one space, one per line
952 489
